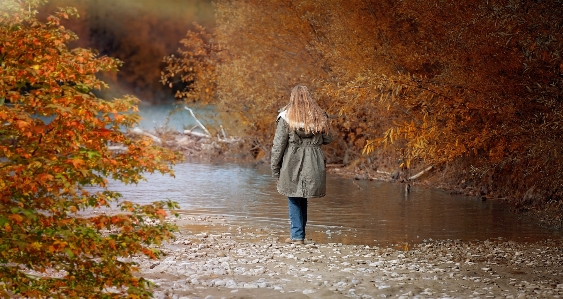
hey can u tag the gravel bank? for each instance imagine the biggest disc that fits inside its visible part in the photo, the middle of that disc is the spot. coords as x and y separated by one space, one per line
213 257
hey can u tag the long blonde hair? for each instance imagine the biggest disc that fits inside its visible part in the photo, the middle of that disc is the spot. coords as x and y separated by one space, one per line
303 112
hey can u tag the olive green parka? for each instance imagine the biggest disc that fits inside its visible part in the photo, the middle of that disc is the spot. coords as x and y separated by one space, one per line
298 161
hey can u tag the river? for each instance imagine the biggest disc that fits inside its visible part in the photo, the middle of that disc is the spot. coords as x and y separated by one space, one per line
353 212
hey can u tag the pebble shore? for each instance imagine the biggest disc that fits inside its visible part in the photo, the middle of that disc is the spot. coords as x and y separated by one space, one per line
213 257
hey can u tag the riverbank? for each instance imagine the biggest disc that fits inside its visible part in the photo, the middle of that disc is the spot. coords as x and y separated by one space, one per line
215 257
548 215
198 147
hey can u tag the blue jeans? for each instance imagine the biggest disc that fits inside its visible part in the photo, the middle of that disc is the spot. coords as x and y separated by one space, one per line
298 217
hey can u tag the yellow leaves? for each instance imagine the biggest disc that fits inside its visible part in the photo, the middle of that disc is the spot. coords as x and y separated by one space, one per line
76 162
370 146
390 136
36 245
405 164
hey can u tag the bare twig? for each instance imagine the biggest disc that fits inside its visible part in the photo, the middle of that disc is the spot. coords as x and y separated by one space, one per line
198 122
223 131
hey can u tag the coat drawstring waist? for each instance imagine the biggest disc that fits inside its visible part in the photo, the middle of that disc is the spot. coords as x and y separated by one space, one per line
304 145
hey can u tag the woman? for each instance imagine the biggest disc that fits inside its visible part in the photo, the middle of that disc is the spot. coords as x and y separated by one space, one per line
297 159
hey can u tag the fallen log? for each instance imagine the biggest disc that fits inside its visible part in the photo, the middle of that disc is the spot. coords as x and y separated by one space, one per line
420 173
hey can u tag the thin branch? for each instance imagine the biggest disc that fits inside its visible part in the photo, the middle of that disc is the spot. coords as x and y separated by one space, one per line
197 120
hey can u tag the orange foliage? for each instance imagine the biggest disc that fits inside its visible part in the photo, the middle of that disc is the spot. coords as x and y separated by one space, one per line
195 68
54 136
473 83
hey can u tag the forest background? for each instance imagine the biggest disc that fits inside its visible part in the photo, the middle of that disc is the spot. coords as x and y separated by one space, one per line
471 88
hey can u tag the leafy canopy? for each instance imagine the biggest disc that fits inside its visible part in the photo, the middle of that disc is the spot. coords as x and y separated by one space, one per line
55 163
476 85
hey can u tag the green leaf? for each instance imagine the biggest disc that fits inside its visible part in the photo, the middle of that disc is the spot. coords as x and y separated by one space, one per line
69 252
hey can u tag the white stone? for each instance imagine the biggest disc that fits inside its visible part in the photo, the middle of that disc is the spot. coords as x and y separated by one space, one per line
250 286
262 285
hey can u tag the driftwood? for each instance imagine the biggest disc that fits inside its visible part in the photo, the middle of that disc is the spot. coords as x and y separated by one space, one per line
420 173
192 142
197 121
196 134
223 131
139 131
229 140
220 139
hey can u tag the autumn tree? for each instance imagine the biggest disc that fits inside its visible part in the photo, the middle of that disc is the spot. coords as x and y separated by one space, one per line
254 76
55 163
473 88
477 85
192 73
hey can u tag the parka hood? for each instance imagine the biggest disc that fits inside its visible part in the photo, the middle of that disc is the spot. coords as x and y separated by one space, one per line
301 132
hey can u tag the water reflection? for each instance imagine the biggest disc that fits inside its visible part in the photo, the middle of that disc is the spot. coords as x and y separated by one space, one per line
353 212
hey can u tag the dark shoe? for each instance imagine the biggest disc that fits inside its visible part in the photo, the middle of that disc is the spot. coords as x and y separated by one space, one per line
290 241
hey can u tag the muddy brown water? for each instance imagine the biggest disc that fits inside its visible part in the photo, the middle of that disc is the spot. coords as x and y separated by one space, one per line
353 212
